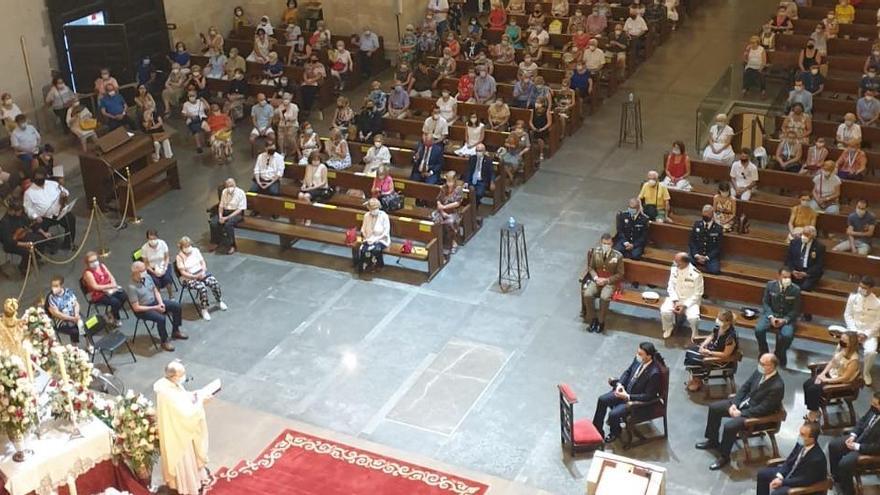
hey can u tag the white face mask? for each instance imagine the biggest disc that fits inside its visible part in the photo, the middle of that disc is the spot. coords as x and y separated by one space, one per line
187 250
652 182
785 282
805 239
375 213
719 323
181 379
154 242
111 93
863 292
57 290
676 151
94 264
606 248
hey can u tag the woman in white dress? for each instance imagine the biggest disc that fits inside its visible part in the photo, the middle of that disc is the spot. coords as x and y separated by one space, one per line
718 148
309 142
337 150
448 106
474 135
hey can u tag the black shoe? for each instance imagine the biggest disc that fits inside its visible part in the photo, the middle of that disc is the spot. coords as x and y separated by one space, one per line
720 463
199 151
707 445
610 438
808 317
593 325
601 328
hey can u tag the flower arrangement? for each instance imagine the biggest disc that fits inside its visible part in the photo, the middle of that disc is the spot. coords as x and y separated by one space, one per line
71 401
18 404
136 438
72 364
41 333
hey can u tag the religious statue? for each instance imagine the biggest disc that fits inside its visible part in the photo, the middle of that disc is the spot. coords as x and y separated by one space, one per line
12 330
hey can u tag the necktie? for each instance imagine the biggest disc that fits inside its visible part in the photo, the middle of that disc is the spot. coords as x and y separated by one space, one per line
869 427
478 170
797 460
635 376
804 249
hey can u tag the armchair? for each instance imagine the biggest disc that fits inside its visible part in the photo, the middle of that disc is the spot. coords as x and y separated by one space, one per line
818 488
762 426
721 369
838 394
642 412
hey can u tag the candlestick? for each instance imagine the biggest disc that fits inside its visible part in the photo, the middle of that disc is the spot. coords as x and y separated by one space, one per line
62 366
71 485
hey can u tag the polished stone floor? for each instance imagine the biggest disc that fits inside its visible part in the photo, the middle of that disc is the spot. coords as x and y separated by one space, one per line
454 370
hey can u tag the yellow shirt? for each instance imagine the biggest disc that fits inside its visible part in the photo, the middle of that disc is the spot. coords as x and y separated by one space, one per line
656 195
845 13
803 216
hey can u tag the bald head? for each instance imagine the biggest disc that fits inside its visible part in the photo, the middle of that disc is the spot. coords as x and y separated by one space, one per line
682 260
175 370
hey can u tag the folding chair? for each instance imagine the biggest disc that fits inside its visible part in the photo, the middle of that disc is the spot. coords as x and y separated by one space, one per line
184 288
96 305
107 344
149 326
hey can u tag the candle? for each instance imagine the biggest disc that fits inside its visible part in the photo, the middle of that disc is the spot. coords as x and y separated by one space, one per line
28 363
71 485
62 366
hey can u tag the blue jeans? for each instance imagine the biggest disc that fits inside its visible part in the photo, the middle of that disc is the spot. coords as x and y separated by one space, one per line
783 338
274 188
172 311
163 281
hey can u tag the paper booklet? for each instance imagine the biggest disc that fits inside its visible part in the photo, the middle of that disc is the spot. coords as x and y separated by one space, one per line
210 389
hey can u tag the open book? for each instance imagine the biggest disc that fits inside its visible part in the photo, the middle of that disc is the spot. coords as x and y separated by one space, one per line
209 390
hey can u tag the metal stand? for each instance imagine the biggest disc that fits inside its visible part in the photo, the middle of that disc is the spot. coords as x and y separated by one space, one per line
631 123
513 257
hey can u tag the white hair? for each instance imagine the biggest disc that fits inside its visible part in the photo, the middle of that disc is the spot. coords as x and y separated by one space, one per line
174 369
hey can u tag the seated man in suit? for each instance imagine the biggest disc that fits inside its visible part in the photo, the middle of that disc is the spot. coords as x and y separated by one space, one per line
428 158
781 309
632 230
683 295
704 245
843 452
480 172
806 257
760 395
639 383
804 466
604 271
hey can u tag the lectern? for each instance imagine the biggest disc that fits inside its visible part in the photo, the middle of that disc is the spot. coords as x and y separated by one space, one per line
105 171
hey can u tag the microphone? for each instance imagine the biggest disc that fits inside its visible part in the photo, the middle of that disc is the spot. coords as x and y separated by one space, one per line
189 378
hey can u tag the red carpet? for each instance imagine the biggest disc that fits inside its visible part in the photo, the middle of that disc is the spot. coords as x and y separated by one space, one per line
296 463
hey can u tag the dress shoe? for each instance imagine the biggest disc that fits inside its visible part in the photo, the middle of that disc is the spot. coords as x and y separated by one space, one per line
179 335
167 347
593 324
808 317
707 445
720 463
600 328
610 438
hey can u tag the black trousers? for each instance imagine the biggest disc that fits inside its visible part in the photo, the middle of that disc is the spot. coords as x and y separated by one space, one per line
765 476
812 394
68 223
369 255
308 97
224 233
842 462
70 329
731 427
172 311
615 408
114 301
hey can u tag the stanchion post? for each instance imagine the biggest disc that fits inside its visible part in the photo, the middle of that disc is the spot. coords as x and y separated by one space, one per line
135 219
102 248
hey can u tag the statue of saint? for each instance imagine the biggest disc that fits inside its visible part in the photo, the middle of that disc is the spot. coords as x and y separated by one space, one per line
12 329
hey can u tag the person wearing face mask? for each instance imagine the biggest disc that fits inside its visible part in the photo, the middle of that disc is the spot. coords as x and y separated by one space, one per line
195 112
684 293
635 27
182 431
398 102
655 198
755 59
64 309
868 108
154 254
805 465
844 12
813 80
194 275
273 69
475 132
212 44
368 122
309 142
605 270
852 162
718 147
806 257
376 233
377 156
484 87
18 235
704 245
781 307
481 172
802 215
101 287
761 395
862 317
816 156
594 57
60 98
844 451
743 176
409 45
268 170
826 190
44 201
261 117
870 81
718 348
230 212
104 79
640 382
428 158
678 168
800 95
632 230
842 369
340 65
859 230
25 140
447 105
148 305
378 97
313 73
497 16
174 88
234 63
262 46
115 109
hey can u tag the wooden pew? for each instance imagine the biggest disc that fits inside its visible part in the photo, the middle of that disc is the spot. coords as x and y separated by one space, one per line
836 46
863 16
833 154
807 26
828 130
422 232
737 291
744 246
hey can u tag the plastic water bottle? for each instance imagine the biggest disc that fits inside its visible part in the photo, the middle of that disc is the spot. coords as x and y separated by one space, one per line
511 222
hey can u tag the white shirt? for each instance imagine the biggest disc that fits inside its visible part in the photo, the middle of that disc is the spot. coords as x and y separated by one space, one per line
155 256
288 113
195 110
235 200
44 201
375 157
594 59
635 27
846 134
720 134
862 314
685 286
437 5
438 129
193 262
268 168
447 108
376 228
743 175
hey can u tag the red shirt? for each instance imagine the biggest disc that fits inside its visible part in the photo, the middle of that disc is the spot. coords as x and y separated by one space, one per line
676 165
218 122
102 277
465 88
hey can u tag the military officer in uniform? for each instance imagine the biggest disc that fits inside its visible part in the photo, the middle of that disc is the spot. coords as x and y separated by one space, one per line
684 293
604 271
780 310
705 242
632 231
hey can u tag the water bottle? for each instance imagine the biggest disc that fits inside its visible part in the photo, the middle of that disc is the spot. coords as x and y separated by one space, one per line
511 222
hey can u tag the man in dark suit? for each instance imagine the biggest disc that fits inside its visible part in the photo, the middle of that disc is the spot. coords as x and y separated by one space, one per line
760 396
806 257
639 383
632 231
704 245
843 452
804 466
480 173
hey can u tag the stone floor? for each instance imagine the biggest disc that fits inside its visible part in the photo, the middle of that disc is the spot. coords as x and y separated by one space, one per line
453 370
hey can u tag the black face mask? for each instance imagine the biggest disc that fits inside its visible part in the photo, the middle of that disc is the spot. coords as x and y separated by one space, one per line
40 181
707 218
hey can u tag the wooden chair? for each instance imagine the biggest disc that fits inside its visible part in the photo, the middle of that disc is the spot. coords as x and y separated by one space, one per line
641 412
580 435
820 487
838 394
866 465
721 369
763 426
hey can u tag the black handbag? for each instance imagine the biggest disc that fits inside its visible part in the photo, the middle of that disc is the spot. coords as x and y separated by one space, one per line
391 202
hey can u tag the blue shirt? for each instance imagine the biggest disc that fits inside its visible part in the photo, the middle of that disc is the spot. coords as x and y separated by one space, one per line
262 115
65 303
114 105
861 224
580 81
181 58
143 73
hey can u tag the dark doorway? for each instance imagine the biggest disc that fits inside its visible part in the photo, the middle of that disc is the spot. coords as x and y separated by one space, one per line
90 48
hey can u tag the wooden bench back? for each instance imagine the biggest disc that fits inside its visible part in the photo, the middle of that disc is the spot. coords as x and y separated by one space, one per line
836 46
353 180
807 26
863 16
426 105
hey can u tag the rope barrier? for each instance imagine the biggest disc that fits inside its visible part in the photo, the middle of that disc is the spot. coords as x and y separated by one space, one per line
31 262
78 250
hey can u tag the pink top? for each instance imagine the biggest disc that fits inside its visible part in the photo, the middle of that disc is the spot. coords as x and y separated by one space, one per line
386 186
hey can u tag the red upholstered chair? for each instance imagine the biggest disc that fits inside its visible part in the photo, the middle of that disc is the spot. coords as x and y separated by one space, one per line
580 435
641 412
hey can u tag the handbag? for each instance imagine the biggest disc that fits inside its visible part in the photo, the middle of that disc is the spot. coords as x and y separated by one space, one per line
351 236
391 202
651 210
88 124
407 247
